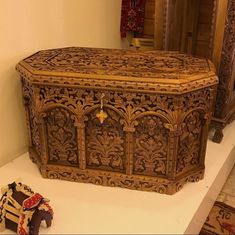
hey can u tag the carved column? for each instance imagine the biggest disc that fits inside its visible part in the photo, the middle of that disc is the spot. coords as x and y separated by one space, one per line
174 133
41 127
81 145
206 119
43 140
129 149
27 102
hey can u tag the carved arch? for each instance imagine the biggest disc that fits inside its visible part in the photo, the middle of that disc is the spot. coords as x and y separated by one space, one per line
105 106
67 101
203 113
154 113
46 108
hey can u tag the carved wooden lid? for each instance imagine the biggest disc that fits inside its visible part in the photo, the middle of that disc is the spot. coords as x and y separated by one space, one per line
146 70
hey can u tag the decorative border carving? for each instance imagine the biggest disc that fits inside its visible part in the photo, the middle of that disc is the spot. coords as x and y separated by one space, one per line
112 179
157 72
150 87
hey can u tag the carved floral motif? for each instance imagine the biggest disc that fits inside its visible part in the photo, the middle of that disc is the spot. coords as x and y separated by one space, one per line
190 143
107 62
61 137
151 142
105 147
199 99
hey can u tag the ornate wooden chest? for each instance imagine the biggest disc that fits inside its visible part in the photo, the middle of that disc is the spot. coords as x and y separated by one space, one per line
131 119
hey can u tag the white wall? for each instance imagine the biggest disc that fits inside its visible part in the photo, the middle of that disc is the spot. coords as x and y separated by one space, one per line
27 26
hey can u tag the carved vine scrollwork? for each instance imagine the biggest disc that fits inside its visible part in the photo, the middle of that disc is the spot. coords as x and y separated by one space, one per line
130 105
151 144
190 142
139 64
61 137
199 99
74 99
107 178
105 147
133 104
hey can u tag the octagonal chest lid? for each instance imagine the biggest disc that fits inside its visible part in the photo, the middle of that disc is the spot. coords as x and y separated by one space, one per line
162 71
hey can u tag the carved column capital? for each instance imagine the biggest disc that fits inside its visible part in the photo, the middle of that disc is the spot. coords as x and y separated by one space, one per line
129 129
174 129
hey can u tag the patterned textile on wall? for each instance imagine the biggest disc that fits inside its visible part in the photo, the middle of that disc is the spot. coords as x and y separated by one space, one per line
132 17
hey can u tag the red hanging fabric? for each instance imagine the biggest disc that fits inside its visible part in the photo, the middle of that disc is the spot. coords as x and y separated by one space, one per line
132 17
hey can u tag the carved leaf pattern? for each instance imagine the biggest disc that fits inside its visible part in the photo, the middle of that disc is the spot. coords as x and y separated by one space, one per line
105 142
127 103
190 143
61 137
150 154
76 100
198 99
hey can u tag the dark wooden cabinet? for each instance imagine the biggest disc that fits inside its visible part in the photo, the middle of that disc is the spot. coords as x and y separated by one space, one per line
186 25
225 102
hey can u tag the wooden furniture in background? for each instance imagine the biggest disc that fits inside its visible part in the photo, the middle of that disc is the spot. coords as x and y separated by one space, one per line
225 62
149 19
127 118
146 42
185 25
203 28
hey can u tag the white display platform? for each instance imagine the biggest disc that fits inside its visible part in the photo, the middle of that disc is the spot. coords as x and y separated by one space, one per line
85 208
